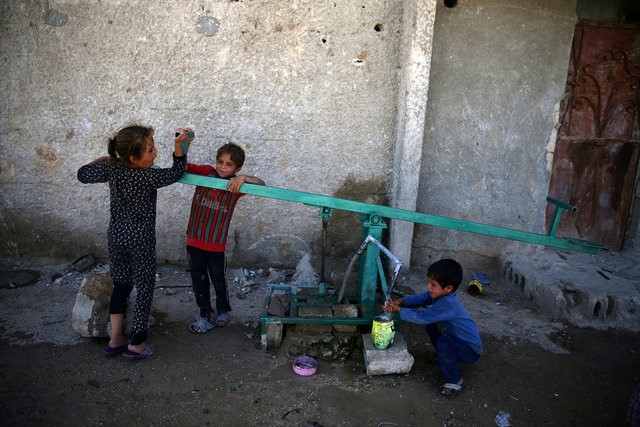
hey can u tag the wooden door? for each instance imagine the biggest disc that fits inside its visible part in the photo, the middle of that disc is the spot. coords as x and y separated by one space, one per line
596 155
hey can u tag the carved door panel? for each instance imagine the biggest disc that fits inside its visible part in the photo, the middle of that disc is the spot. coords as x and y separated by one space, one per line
596 156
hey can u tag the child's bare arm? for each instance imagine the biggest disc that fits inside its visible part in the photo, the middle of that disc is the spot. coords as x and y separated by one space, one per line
393 306
236 182
183 140
253 179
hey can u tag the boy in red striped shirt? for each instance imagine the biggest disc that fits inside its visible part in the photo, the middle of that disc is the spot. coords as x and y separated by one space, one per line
211 212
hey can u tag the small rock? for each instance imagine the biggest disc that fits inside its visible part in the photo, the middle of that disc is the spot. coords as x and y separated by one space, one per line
84 263
90 313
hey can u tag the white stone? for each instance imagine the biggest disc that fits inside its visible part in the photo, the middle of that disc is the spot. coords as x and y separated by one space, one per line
394 360
91 311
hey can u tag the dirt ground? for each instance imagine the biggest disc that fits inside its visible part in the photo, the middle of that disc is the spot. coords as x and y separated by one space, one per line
538 370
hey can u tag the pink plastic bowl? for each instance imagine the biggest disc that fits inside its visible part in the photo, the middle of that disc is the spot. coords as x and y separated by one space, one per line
304 366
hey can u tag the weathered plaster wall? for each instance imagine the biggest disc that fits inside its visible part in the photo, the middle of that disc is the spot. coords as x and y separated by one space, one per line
322 96
497 75
308 88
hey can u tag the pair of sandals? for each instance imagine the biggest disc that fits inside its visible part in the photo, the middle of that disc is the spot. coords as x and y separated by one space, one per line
202 325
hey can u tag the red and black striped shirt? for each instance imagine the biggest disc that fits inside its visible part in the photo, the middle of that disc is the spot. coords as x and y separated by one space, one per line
211 212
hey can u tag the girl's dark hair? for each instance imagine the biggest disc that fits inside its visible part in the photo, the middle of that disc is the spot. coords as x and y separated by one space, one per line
446 272
129 141
234 151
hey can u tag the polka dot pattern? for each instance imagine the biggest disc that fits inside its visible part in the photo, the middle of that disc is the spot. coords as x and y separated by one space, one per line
132 232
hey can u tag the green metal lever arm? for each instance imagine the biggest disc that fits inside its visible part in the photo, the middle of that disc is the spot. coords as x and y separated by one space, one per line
319 200
560 208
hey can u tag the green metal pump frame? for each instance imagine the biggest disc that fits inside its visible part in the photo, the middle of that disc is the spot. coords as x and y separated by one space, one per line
370 268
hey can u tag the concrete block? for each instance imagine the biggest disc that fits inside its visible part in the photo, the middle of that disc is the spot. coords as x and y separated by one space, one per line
345 310
314 327
278 306
273 338
346 328
315 312
393 360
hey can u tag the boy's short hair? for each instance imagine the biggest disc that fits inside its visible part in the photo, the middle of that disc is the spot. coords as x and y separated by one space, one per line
447 272
234 151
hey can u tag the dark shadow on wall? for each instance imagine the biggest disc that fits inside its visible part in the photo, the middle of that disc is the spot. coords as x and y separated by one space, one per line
344 231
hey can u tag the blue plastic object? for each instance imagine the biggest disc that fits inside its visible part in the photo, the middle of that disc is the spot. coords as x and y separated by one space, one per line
480 277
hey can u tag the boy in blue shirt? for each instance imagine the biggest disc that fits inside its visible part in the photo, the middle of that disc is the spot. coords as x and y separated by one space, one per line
453 333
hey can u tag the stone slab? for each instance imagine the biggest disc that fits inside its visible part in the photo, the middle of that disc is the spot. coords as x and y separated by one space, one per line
600 291
394 360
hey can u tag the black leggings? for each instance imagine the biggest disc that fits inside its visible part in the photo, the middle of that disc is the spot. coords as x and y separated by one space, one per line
133 266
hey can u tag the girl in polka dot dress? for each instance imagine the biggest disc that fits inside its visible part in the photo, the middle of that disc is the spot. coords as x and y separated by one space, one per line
133 184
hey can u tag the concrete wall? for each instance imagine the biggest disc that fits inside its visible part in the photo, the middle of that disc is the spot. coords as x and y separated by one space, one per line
497 77
327 97
308 88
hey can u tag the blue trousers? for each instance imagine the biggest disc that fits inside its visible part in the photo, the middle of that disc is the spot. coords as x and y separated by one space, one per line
208 268
449 352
